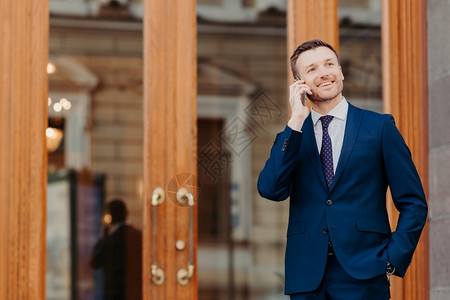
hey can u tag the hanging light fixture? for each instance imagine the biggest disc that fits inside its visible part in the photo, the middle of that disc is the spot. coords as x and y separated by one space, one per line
66 104
51 68
54 138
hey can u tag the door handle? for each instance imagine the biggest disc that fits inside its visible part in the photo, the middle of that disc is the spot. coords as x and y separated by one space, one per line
158 197
157 275
185 198
185 274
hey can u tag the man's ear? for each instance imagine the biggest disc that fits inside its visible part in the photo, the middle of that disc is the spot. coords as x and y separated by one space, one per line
342 74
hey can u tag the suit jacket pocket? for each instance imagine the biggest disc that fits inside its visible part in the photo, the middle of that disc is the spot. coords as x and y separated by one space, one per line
296 228
373 225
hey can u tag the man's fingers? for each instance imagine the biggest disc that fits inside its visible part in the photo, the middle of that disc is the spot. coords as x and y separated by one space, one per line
297 89
303 88
292 87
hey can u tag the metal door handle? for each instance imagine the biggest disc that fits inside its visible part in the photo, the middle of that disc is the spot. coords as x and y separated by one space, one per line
157 275
185 274
184 197
158 196
157 199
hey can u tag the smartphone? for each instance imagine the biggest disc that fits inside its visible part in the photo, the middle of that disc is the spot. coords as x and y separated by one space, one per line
303 97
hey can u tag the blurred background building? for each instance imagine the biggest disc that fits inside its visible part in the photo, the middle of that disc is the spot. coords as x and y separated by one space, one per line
95 135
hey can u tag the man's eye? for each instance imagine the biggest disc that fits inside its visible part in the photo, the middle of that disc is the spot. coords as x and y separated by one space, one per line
310 70
330 64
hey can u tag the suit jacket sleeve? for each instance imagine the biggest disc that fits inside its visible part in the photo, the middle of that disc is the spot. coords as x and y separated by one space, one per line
407 194
274 181
97 259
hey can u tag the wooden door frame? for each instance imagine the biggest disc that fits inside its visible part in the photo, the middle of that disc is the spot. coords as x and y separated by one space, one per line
23 153
405 96
170 143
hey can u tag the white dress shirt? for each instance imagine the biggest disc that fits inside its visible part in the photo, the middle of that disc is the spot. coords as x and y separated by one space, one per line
336 129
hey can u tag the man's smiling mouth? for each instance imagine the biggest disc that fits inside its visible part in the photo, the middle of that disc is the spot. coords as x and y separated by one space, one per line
324 84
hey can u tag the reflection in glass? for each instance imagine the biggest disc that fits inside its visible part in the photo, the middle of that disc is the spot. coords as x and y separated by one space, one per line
118 253
95 102
360 52
241 105
59 237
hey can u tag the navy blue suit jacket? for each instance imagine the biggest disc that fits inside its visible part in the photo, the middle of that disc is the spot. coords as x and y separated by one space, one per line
373 157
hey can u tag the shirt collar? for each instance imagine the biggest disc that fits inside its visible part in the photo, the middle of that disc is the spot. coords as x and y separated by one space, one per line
339 112
116 227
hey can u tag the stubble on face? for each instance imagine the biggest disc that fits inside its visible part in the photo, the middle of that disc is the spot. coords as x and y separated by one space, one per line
314 97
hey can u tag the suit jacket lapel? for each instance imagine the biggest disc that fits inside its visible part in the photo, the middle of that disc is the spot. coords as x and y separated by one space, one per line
354 117
310 144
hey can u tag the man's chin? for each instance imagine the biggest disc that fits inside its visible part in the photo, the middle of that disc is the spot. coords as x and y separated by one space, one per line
320 100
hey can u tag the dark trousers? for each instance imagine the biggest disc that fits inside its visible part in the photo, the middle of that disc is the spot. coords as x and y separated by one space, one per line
338 285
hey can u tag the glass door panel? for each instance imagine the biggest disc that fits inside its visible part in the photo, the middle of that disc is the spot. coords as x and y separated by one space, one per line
95 142
360 52
241 105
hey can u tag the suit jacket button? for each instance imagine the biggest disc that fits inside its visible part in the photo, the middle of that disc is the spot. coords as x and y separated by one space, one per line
325 231
286 140
329 202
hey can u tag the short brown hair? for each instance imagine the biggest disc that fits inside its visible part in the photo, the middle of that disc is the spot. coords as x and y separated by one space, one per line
308 45
118 210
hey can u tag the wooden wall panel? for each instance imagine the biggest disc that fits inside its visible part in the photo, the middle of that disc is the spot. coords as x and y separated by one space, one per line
23 173
310 19
170 143
404 44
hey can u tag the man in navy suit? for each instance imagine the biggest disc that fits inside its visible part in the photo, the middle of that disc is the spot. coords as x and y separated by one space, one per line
336 164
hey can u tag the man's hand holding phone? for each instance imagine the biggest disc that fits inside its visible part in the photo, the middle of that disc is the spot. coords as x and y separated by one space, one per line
297 101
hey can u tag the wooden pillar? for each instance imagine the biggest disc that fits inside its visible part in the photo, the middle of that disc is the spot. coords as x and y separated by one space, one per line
170 144
310 19
23 167
404 46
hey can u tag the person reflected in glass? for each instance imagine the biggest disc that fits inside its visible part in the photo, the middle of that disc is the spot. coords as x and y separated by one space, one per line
119 253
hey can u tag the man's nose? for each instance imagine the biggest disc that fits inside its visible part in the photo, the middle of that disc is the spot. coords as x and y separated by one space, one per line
323 72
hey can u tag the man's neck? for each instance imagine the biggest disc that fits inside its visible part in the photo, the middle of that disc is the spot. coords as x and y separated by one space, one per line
325 107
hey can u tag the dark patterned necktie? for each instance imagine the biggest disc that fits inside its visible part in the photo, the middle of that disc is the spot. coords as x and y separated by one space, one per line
326 153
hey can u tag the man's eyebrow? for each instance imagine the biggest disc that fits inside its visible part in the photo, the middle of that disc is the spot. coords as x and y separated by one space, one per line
326 60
